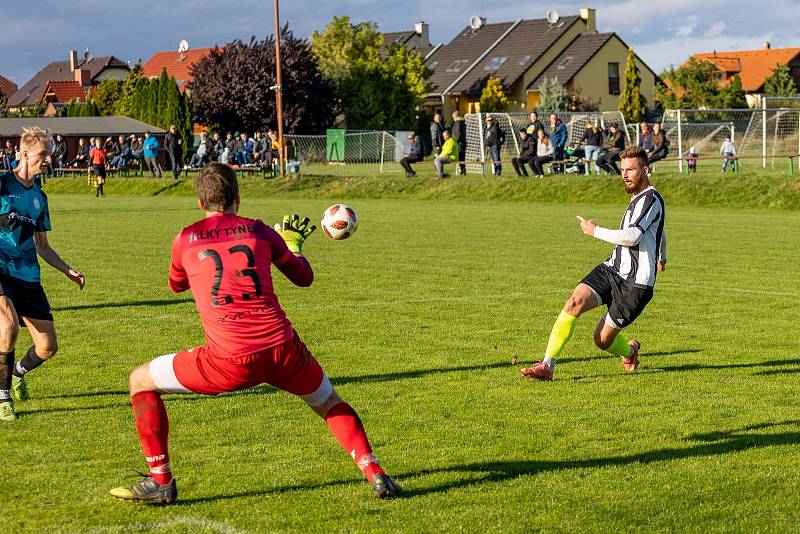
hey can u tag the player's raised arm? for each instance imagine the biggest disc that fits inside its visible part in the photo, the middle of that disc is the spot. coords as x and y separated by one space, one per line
286 251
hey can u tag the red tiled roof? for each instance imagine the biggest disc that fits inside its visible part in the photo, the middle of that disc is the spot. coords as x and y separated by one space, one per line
7 87
753 66
63 92
177 64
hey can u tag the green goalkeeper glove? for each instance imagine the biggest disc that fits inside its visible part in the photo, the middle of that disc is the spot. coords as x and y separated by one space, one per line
295 231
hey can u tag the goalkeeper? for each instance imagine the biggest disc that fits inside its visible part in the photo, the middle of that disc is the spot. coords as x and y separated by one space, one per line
225 260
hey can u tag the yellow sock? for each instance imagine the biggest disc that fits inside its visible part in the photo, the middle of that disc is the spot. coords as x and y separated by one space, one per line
562 331
619 347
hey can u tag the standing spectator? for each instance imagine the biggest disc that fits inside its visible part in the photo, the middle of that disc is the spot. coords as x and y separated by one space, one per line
99 160
558 138
534 126
660 145
414 155
137 147
459 132
448 154
612 148
150 150
437 139
728 152
544 153
204 149
219 147
495 138
527 151
691 160
592 143
59 152
81 153
9 155
646 137
173 144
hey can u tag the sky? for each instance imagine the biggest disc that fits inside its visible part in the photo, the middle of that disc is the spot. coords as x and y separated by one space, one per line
663 33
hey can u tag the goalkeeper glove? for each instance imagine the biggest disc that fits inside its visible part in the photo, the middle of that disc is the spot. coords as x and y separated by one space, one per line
295 231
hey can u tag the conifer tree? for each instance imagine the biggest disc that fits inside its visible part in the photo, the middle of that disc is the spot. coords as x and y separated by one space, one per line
631 102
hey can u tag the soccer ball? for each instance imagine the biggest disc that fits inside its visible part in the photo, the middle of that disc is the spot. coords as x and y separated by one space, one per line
339 221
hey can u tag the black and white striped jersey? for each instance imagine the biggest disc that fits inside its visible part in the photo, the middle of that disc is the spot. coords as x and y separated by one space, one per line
638 261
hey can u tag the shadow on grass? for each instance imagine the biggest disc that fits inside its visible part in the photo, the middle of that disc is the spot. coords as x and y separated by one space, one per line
125 304
701 366
712 444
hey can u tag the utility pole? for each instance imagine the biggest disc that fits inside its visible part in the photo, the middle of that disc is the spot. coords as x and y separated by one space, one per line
278 89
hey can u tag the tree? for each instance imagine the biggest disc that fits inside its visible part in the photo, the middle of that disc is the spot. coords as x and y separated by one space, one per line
126 101
75 108
780 82
493 97
631 102
732 96
552 96
106 95
232 87
694 85
343 47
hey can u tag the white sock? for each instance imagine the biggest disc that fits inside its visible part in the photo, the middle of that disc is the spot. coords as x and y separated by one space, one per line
549 362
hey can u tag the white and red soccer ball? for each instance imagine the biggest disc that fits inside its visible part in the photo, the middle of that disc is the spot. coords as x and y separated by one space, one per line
339 221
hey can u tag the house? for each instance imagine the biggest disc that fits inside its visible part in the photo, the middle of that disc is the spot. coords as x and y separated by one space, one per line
7 87
178 64
416 39
523 53
753 67
87 73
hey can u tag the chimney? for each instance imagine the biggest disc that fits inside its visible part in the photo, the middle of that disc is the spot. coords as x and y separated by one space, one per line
83 77
421 28
73 60
767 46
589 16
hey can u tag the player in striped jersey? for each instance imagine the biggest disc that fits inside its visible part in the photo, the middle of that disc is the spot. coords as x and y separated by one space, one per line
625 281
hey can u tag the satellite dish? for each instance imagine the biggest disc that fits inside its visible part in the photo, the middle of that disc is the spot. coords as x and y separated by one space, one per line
87 56
552 16
183 46
475 22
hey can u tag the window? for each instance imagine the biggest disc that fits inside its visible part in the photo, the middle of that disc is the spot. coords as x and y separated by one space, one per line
564 62
613 78
524 60
457 65
495 63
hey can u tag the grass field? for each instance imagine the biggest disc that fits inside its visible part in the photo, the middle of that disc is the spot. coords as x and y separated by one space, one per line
417 319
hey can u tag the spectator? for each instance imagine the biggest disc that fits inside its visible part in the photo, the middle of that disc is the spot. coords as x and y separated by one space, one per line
558 138
646 137
59 152
612 147
660 145
448 154
137 147
173 144
150 150
81 153
534 126
414 155
527 151
219 147
691 160
9 155
459 132
229 150
437 139
241 149
123 153
495 138
204 149
544 153
728 152
260 147
592 143
99 160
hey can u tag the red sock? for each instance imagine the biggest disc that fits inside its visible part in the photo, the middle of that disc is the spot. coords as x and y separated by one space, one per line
346 427
153 427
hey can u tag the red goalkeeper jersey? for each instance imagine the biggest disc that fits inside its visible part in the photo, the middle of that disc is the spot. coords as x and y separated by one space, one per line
225 260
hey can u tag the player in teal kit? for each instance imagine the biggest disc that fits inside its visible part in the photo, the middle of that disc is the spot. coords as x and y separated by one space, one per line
24 223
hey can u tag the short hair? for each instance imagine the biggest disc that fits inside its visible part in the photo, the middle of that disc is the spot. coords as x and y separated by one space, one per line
634 152
33 136
523 130
217 186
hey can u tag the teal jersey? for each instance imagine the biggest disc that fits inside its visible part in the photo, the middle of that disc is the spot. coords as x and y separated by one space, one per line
23 211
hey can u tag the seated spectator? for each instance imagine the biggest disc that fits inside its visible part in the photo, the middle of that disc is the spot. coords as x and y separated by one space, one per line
544 154
9 155
613 145
137 147
259 147
660 145
414 155
646 137
218 147
728 151
204 149
241 153
113 150
592 143
527 151
123 155
448 154
229 148
81 154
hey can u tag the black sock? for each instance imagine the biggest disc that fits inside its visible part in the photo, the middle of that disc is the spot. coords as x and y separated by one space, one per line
28 363
6 364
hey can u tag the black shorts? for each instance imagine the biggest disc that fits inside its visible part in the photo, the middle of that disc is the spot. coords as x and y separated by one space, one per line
28 298
625 301
100 171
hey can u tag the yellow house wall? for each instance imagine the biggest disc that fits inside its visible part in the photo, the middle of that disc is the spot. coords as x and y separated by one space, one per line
592 79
